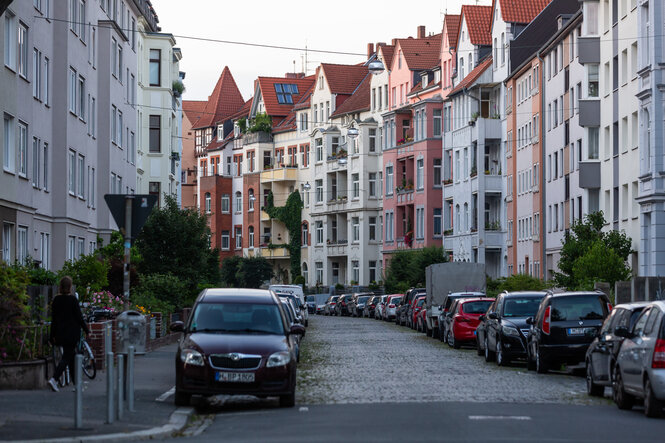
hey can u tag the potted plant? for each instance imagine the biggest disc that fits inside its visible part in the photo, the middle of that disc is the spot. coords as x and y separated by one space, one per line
474 171
178 87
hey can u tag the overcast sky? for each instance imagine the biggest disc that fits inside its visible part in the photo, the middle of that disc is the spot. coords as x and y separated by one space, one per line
340 25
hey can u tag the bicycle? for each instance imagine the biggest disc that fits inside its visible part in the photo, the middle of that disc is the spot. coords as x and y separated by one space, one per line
89 366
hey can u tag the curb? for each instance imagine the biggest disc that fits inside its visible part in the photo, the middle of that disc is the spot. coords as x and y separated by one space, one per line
177 422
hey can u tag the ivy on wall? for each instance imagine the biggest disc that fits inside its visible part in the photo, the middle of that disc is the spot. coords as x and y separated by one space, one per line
289 214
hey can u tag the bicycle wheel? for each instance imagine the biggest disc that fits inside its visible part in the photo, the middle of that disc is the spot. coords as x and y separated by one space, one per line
63 380
89 367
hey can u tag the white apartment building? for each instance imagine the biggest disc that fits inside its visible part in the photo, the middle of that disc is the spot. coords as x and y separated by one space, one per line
68 123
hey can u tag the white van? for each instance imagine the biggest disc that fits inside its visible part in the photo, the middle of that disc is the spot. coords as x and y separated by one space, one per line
298 292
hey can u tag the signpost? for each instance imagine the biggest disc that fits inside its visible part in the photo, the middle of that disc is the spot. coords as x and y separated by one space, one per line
130 212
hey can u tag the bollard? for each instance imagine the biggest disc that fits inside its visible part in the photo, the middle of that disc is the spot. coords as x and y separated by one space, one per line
108 338
78 395
130 379
110 413
121 385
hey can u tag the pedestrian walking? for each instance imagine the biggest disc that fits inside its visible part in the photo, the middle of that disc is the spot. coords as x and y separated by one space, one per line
66 324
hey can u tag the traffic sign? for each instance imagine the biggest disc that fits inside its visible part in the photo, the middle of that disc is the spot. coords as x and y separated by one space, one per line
142 205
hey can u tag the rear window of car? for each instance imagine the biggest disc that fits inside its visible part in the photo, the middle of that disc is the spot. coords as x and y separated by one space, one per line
310 298
395 300
237 317
579 307
335 298
520 307
476 307
420 302
363 299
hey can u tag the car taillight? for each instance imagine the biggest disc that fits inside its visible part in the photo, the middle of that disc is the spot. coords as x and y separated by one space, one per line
546 321
343 304
609 308
658 361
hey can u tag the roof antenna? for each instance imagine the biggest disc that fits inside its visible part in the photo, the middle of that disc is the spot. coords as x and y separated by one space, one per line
294 66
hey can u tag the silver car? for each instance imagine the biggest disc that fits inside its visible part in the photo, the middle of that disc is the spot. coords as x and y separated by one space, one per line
640 367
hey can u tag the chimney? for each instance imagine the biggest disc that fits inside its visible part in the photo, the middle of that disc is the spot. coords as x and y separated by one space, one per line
294 75
370 49
394 42
421 32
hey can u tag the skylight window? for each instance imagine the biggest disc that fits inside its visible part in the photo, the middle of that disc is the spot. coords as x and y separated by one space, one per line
285 92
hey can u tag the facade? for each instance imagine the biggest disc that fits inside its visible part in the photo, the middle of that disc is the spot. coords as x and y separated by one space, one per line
192 110
69 119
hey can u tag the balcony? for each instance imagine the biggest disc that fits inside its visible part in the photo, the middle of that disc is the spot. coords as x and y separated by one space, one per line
494 239
404 195
274 252
494 184
336 248
338 204
256 137
589 114
487 128
279 174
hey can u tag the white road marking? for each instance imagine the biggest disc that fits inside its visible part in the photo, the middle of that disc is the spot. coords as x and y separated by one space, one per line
499 417
303 409
166 395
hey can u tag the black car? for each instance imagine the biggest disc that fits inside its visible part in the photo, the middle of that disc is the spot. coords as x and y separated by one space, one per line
370 306
564 327
401 312
603 350
343 303
357 303
480 330
310 301
505 326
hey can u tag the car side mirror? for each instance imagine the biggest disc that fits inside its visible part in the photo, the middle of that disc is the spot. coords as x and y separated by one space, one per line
622 331
298 330
482 317
529 320
493 315
177 326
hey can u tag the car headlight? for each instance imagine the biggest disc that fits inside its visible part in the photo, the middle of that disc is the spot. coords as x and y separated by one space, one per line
191 357
278 359
510 331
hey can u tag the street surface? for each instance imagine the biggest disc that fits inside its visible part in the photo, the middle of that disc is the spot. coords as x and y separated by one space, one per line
369 380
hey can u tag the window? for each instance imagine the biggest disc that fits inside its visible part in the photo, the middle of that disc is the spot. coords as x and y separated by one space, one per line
355 178
155 133
318 144
372 184
285 92
420 174
372 270
390 226
592 143
238 201
80 171
22 149
45 246
250 231
319 272
592 79
420 223
226 203
10 40
438 222
389 180
208 203
251 199
319 232
155 67
37 74
23 50
22 245
318 186
7 240
355 223
355 267
45 166
225 241
118 137
305 234
372 140
238 237
372 228
9 150
437 123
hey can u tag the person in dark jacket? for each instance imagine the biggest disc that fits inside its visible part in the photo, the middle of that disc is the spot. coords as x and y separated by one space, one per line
66 324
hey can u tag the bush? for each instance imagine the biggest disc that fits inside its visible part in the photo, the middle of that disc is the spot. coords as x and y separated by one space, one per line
517 282
339 286
14 300
37 276
161 293
407 268
89 274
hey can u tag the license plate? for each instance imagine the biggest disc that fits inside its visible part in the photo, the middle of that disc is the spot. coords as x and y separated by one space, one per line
474 333
576 331
235 377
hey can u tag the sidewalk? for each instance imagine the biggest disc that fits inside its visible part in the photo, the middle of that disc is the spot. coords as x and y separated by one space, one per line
46 415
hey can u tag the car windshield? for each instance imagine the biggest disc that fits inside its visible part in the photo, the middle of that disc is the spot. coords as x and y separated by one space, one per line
420 302
237 318
363 299
521 307
584 307
310 298
396 300
476 307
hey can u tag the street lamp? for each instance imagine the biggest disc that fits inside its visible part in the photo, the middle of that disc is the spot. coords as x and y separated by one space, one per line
376 67
352 132
307 186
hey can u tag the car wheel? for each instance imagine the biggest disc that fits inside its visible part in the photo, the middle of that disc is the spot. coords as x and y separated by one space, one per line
619 394
182 398
456 343
541 364
592 388
500 357
530 363
435 333
479 350
652 406
428 331
287 401
489 355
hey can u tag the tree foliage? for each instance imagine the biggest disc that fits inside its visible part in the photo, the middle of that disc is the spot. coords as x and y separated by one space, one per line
89 274
262 122
14 303
290 215
162 293
176 241
590 255
407 268
253 272
517 282
229 270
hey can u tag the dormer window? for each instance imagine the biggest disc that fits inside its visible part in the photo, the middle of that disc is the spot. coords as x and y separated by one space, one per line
285 92
437 77
462 35
220 132
423 79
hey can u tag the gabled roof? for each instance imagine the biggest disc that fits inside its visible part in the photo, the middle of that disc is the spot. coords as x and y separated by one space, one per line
421 53
359 101
519 11
244 111
388 51
478 19
305 99
224 101
343 79
193 109
269 95
472 76
451 23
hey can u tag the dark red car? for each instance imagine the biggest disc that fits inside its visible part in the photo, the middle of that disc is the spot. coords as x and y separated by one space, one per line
466 319
237 341
418 305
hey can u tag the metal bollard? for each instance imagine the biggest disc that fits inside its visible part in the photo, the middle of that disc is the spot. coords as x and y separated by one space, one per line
108 338
130 379
78 395
110 413
121 385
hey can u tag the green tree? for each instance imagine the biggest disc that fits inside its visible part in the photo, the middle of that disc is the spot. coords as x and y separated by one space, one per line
161 293
407 267
253 271
587 237
229 270
517 282
176 241
261 123
14 300
114 253
89 274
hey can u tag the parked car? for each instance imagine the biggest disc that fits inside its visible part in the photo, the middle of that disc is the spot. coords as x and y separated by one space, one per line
564 327
640 365
391 306
480 329
447 301
310 301
408 312
299 310
418 305
370 306
295 291
380 308
465 319
320 309
421 318
401 312
602 353
342 306
506 329
236 341
330 305
357 303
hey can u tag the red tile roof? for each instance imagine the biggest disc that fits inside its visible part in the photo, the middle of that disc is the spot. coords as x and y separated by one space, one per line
519 11
472 76
451 24
343 79
244 111
193 109
224 101
387 51
305 98
421 53
359 101
269 95
477 20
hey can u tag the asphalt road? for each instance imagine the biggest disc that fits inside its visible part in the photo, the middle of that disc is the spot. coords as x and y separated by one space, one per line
367 380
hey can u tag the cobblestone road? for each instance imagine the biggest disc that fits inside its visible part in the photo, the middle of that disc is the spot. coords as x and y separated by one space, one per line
360 360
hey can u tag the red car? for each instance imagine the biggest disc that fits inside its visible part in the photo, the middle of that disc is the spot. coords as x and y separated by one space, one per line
465 320
418 305
420 319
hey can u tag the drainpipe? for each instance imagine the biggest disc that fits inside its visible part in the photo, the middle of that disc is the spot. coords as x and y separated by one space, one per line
543 192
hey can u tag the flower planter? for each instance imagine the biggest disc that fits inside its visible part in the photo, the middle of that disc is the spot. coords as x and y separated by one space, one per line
25 374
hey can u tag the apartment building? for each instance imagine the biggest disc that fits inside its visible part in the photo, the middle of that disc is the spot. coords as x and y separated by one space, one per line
69 118
649 62
192 111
